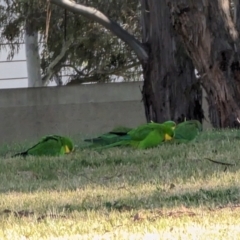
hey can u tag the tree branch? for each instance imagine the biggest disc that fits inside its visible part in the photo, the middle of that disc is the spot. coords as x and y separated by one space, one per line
118 70
115 28
82 80
74 68
52 66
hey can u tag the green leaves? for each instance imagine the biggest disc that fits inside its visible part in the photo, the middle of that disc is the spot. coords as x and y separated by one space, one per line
96 55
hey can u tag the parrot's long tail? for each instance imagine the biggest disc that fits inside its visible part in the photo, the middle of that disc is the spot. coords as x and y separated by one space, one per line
108 139
94 140
110 135
21 154
116 144
119 133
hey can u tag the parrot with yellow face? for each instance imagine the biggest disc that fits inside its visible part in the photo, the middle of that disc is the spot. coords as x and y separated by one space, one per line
145 136
52 145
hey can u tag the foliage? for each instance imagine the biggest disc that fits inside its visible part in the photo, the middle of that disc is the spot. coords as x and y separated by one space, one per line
94 53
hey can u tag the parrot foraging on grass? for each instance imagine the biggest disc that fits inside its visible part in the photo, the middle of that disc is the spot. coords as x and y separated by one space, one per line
52 145
145 136
186 131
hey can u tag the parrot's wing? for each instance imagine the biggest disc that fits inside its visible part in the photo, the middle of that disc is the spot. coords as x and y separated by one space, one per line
117 144
66 142
49 145
153 139
115 135
141 132
196 123
166 129
170 124
121 130
106 139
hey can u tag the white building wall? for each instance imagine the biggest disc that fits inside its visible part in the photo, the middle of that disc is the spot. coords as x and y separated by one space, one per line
13 74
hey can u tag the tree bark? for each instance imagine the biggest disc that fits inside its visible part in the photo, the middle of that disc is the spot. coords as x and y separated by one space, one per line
211 39
171 90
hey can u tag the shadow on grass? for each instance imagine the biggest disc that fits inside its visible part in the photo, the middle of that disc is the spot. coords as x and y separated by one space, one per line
171 164
167 164
211 199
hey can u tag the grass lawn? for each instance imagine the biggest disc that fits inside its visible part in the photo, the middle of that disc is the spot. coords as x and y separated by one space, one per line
170 192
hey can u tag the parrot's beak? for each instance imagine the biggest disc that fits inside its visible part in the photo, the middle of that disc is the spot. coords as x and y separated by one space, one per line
67 149
167 137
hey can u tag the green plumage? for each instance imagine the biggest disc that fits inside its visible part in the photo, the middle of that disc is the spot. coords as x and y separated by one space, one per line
121 130
145 136
148 135
187 131
52 145
113 136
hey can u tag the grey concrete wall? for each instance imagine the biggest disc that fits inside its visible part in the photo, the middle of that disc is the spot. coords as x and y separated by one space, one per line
85 110
29 113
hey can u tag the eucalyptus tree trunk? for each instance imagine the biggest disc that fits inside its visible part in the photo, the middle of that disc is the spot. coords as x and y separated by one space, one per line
171 89
209 30
32 54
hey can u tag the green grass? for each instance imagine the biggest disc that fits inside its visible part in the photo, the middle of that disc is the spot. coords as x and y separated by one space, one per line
170 192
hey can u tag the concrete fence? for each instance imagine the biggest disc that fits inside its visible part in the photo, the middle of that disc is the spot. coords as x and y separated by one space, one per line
29 113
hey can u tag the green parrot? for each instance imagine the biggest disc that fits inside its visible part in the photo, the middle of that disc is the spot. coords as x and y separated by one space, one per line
145 136
52 145
187 131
